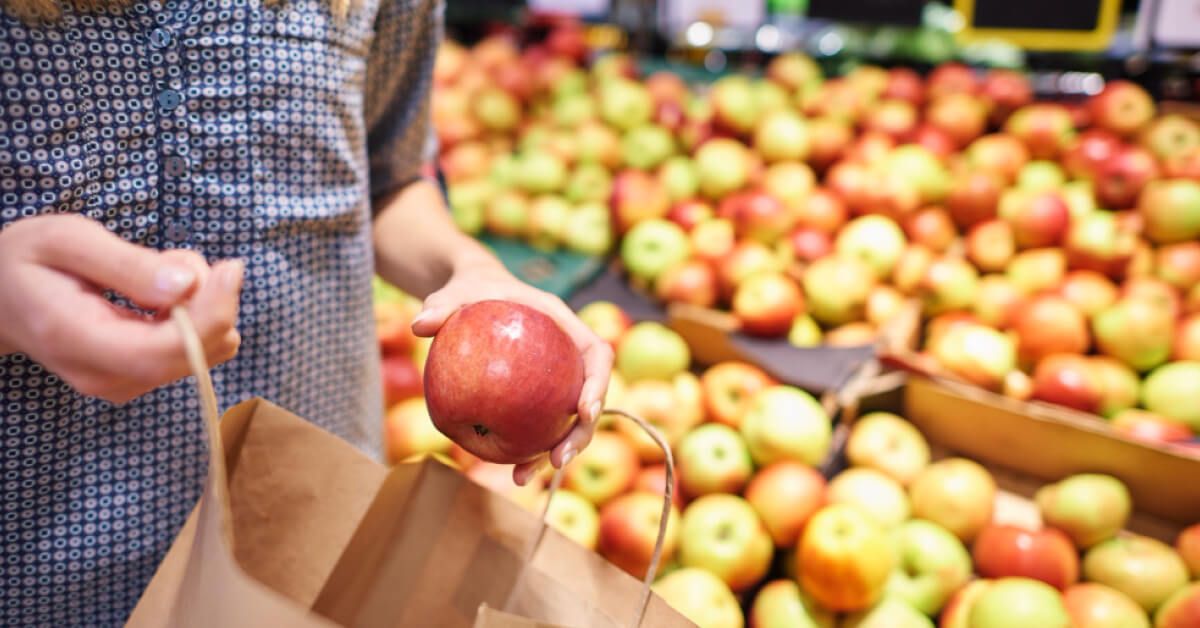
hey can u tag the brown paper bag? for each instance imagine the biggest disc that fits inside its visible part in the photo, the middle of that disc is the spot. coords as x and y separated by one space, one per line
296 528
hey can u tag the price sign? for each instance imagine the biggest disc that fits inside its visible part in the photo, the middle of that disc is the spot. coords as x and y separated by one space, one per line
1041 24
892 12
581 8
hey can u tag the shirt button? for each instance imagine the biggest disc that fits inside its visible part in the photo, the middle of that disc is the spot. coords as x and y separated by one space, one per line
177 231
160 38
175 165
169 99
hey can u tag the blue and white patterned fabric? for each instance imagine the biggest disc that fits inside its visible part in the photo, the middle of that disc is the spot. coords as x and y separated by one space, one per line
235 129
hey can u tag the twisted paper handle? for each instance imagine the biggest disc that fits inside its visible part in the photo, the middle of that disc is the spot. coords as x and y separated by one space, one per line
668 499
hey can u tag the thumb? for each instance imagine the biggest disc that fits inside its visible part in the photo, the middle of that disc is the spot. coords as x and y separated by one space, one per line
432 316
150 278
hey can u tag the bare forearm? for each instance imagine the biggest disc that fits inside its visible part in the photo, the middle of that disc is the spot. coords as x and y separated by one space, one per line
417 245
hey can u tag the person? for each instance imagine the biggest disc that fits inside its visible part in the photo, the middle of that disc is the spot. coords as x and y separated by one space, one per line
253 161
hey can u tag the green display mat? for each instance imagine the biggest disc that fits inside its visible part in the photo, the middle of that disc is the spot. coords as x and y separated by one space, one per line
560 272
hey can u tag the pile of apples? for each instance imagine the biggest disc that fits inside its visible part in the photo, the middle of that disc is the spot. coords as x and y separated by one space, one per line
1052 248
758 535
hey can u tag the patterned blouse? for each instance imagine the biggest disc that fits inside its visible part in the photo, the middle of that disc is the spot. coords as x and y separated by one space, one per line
237 129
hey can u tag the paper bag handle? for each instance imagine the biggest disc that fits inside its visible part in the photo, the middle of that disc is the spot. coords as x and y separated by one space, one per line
664 518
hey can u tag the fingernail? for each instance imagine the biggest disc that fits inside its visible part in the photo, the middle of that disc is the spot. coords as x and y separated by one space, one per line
174 280
595 410
422 315
231 275
568 454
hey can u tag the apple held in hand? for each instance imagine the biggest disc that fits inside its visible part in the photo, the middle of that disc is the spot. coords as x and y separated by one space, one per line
845 559
629 528
933 566
785 495
1094 605
955 493
888 443
723 534
503 380
651 350
1015 602
786 423
1146 570
701 597
1089 507
713 459
782 604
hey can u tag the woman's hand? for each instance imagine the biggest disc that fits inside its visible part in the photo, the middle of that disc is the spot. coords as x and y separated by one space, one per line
54 271
484 278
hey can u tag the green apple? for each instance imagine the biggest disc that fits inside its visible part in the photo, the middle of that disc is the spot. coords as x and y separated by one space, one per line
1171 209
783 604
468 201
651 350
625 104
713 459
604 469
575 517
874 493
917 164
1041 175
571 110
547 222
836 288
1135 331
503 172
571 82
781 135
874 239
888 443
496 109
723 165
769 96
804 332
1019 602
723 534
1080 197
1037 270
507 214
1089 507
679 177
652 246
934 565
956 493
541 172
645 147
1121 389
589 230
785 423
701 597
890 612
1145 569
589 182
1173 390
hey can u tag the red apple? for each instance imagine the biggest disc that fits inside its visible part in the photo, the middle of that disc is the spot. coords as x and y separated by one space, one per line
870 147
766 303
1006 91
1092 605
961 116
1155 291
629 528
1150 427
1038 219
734 106
712 239
1086 156
729 387
910 269
1179 264
745 259
932 228
1183 166
401 379
934 140
1122 107
951 78
393 327
757 215
1102 242
607 320
844 558
689 213
904 84
1171 137
637 196
1188 546
1068 380
692 281
1181 610
1123 176
1050 324
653 479
955 493
1003 551
1000 154
1087 290
1046 129
823 210
785 495
667 87
974 198
493 354
896 118
850 180
828 140
409 432
998 301
957 612
1187 339
793 70
808 244
990 245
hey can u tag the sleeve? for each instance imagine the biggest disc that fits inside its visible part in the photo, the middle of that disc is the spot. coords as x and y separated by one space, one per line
399 77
